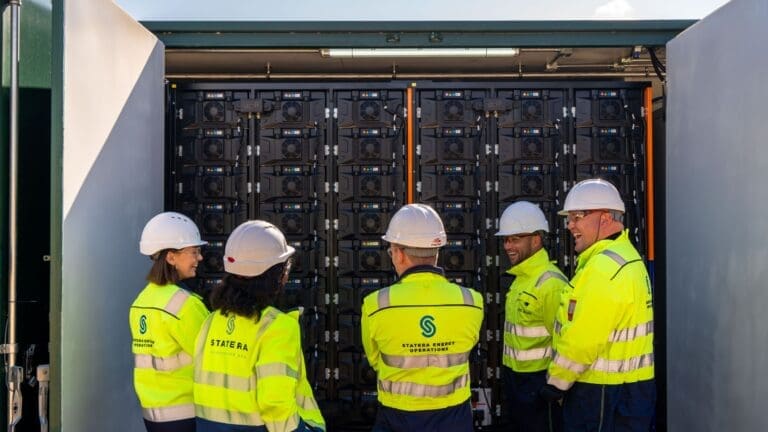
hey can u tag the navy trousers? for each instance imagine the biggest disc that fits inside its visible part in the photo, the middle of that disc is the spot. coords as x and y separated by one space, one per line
186 425
457 418
525 410
625 407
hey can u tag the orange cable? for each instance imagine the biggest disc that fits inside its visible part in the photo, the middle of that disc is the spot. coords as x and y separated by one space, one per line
651 234
409 154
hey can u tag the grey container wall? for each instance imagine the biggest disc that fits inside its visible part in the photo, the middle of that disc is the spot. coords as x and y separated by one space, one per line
717 232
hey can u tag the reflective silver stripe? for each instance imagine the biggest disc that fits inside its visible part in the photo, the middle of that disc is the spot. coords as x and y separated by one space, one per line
614 256
557 327
622 366
165 364
202 336
423 390
265 321
171 413
629 334
307 403
467 295
314 425
225 416
227 381
176 302
566 363
549 275
276 369
559 383
519 330
528 355
383 298
434 360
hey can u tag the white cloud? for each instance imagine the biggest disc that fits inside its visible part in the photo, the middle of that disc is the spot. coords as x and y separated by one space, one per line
615 9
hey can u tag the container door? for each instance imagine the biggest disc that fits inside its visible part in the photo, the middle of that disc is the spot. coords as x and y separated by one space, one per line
111 176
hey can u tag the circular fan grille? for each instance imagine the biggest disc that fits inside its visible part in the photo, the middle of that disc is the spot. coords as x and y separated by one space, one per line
453 110
533 110
369 110
533 185
454 185
370 260
213 261
370 186
454 260
370 223
370 149
213 111
454 222
610 109
610 148
213 187
292 223
213 224
292 186
453 148
213 148
291 148
533 148
292 111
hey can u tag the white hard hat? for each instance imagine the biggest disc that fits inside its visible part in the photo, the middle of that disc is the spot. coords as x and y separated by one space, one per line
592 194
254 247
522 217
417 226
169 230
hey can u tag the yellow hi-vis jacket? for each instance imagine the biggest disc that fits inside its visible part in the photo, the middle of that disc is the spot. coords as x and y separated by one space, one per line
164 322
530 308
251 372
604 327
417 335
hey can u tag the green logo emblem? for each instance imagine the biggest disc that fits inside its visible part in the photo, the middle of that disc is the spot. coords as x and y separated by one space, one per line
143 324
427 325
231 324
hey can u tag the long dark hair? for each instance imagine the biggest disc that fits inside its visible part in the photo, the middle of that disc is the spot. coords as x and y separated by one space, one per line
161 272
247 296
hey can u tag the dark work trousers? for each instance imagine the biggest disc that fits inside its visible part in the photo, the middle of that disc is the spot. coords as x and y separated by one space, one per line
457 418
204 425
526 411
625 407
186 425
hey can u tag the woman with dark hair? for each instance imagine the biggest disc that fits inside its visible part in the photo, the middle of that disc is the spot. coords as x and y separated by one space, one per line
249 365
165 320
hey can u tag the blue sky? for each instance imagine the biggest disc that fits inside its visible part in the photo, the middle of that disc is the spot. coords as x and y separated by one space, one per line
309 10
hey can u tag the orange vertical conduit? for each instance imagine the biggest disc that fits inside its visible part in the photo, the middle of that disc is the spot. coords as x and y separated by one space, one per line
409 153
649 173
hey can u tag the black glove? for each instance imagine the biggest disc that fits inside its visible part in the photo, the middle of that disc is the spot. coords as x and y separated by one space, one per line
550 393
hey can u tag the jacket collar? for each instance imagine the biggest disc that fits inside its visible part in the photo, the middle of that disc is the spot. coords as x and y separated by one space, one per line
600 246
422 269
531 265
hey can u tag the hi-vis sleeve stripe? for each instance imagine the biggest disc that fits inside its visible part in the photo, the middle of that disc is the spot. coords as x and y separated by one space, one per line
163 364
549 275
230 382
415 362
520 330
527 355
630 334
423 390
622 366
171 413
176 302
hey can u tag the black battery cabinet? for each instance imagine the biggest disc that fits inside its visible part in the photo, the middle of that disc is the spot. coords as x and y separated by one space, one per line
328 163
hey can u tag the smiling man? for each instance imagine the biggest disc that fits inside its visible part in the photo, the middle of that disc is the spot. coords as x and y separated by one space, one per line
530 307
603 366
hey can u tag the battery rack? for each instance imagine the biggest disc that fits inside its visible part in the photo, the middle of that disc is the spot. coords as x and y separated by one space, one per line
330 163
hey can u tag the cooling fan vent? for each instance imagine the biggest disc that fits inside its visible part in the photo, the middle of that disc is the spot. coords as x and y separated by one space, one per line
213 187
370 223
533 185
292 186
370 260
532 110
453 110
610 148
370 148
533 148
453 148
291 149
454 222
454 185
454 260
213 224
213 112
610 109
292 223
370 110
370 186
292 111
213 148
